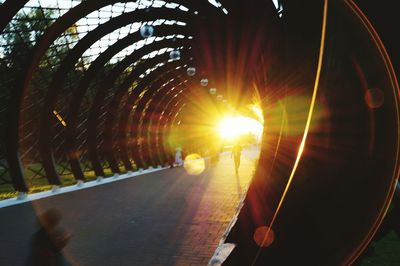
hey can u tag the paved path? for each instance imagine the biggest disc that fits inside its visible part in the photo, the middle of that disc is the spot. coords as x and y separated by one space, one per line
163 218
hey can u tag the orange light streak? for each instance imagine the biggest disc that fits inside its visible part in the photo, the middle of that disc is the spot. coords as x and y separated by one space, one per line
62 121
307 127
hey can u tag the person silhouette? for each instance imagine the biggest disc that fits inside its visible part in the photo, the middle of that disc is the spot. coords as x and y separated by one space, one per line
48 242
236 153
178 156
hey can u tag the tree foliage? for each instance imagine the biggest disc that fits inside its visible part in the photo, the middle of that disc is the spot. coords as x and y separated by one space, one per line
16 42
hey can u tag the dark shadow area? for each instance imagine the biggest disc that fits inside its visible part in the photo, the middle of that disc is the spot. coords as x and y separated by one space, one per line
141 221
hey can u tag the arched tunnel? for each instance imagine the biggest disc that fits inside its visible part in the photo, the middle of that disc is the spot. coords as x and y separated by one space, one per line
95 88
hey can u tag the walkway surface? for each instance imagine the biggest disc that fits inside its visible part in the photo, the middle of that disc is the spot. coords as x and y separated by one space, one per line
163 218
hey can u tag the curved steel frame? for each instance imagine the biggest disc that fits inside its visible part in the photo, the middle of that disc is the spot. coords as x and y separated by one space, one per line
56 85
141 113
150 132
8 10
79 92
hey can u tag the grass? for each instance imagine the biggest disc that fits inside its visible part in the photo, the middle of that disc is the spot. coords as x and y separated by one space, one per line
7 191
386 252
40 184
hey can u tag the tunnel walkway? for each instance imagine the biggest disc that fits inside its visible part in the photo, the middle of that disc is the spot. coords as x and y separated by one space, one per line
162 218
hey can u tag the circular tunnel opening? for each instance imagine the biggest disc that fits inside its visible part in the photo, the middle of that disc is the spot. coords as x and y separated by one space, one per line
96 89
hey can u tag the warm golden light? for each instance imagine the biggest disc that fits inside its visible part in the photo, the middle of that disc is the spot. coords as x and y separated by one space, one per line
264 236
236 126
194 164
62 121
258 112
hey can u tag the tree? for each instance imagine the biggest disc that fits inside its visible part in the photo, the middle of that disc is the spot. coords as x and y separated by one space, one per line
16 41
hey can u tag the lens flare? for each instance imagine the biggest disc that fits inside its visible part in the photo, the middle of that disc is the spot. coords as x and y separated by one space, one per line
264 236
374 98
234 127
194 164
